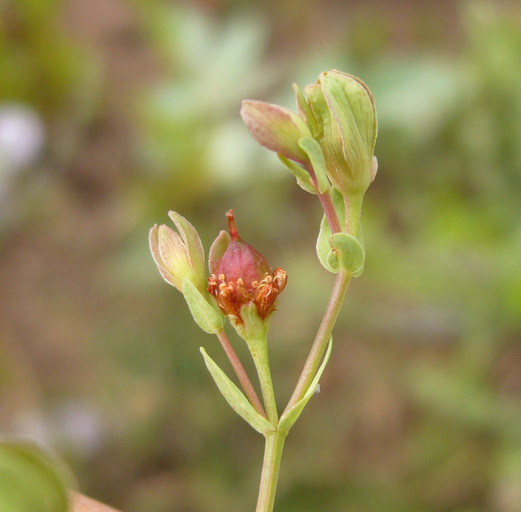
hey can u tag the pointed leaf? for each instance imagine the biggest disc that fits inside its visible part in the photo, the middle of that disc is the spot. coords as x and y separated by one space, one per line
289 418
235 398
205 315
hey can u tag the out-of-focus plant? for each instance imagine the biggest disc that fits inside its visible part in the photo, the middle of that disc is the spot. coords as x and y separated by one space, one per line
32 479
190 132
329 147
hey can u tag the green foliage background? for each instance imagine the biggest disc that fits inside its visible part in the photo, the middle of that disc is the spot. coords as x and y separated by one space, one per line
420 407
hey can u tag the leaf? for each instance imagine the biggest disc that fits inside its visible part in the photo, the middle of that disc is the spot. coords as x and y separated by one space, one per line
205 315
289 418
348 253
323 247
235 398
32 479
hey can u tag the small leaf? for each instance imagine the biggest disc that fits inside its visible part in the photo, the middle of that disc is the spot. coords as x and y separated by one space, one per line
205 315
348 252
289 418
235 398
32 479
318 162
303 177
323 247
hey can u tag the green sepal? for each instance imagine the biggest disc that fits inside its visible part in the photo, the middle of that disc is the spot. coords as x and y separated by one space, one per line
235 398
303 177
252 327
318 162
205 315
347 253
32 479
305 110
217 250
289 418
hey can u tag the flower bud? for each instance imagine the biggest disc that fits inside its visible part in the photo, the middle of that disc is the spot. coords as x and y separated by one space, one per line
240 275
345 115
178 256
276 128
338 113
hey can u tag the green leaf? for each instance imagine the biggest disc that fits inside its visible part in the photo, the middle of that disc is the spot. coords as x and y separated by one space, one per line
303 177
32 479
235 398
318 162
289 418
347 253
205 315
323 247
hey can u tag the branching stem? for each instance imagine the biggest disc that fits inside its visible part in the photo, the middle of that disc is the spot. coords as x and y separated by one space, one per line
241 373
322 337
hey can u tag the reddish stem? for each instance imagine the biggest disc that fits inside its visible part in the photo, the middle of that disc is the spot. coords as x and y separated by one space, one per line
241 373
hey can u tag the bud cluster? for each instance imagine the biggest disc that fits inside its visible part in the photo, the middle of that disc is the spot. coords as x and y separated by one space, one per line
329 142
240 275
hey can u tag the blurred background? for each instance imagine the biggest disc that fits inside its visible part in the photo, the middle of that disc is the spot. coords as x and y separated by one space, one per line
112 112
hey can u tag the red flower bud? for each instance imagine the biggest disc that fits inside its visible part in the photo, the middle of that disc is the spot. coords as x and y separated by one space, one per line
242 275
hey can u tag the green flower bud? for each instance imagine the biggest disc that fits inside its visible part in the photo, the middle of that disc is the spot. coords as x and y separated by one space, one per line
178 256
346 125
332 138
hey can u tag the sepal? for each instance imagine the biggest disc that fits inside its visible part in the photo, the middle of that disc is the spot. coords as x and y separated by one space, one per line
318 162
205 315
302 176
252 326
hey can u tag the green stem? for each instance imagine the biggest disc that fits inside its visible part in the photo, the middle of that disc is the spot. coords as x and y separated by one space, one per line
322 338
353 206
270 471
241 373
259 352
